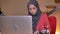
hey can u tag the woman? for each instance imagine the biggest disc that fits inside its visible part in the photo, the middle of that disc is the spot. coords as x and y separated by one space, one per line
35 12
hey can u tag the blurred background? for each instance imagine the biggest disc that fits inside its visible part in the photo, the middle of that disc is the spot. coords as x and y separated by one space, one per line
19 7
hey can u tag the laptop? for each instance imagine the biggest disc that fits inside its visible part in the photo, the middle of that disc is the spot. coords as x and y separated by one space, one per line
16 24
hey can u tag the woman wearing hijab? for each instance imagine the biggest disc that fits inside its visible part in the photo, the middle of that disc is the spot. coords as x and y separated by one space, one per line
38 18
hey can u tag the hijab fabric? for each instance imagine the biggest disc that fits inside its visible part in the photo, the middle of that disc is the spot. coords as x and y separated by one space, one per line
35 17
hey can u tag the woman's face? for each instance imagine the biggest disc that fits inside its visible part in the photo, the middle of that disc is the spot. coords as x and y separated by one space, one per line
32 9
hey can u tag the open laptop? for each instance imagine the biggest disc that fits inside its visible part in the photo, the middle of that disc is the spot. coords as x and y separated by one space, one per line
16 24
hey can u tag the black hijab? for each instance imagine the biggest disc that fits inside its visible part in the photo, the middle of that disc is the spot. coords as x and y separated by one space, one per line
35 17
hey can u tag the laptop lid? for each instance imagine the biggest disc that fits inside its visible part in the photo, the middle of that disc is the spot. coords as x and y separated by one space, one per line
16 24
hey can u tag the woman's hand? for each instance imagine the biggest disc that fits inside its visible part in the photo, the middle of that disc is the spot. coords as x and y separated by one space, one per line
36 32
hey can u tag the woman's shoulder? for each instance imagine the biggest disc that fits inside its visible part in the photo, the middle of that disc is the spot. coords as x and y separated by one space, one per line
43 14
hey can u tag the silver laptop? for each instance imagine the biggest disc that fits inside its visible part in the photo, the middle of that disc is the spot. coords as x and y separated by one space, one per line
16 24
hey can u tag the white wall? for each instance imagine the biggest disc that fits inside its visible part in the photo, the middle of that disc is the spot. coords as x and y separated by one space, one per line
0 3
19 7
43 4
14 7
